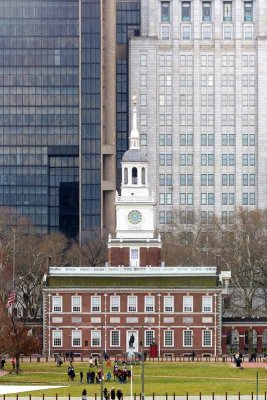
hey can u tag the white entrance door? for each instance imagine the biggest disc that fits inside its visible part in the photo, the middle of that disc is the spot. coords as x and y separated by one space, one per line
132 342
134 257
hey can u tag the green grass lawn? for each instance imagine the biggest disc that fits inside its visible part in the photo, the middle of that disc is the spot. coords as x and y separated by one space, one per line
160 378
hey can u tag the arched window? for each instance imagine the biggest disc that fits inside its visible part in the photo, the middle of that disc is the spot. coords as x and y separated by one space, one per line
251 340
232 340
134 176
125 176
264 340
143 176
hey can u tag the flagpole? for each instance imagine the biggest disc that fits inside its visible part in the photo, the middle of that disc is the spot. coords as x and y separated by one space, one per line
14 256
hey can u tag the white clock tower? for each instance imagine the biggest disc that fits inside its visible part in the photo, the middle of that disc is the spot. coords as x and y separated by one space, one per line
135 206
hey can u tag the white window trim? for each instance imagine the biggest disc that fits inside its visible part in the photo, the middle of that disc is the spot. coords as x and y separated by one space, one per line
167 26
206 25
227 25
130 256
245 25
53 305
169 345
72 337
186 311
136 302
93 311
119 304
72 305
148 330
203 297
119 333
205 345
53 338
172 300
146 298
186 25
99 333
188 345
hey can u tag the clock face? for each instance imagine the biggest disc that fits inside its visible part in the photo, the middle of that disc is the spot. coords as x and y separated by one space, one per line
134 217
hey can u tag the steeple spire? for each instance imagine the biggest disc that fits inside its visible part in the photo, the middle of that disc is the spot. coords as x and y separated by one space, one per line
134 136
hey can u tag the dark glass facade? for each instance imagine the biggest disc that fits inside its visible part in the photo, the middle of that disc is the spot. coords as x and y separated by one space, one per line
44 104
91 116
128 24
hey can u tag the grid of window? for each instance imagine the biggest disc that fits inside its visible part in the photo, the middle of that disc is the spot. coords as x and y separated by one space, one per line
165 198
95 303
57 338
76 338
187 338
165 217
207 338
114 338
149 304
57 303
41 73
188 303
165 179
114 303
168 304
168 338
76 303
207 303
95 338
248 199
149 337
132 303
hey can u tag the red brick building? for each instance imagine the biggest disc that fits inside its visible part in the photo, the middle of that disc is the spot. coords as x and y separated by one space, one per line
134 301
92 309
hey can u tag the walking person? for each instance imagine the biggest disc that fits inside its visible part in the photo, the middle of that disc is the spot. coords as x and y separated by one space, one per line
84 394
112 394
119 394
81 376
106 394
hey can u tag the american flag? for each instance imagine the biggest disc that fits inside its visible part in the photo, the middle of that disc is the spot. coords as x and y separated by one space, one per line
11 298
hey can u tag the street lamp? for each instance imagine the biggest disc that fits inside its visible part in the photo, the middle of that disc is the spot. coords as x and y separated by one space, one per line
142 366
101 361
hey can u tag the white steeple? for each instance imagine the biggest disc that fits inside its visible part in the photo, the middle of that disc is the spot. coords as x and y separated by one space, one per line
134 136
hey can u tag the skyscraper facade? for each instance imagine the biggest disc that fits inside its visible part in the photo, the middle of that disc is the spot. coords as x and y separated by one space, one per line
57 92
127 26
198 69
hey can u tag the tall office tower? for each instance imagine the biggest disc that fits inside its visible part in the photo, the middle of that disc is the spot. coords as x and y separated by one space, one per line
57 113
199 71
128 25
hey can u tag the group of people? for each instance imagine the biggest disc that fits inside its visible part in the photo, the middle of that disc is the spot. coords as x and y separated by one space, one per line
121 374
108 395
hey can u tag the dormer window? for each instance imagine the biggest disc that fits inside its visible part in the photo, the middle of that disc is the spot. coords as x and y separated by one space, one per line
134 176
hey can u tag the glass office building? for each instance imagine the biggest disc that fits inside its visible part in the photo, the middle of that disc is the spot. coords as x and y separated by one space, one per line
54 148
127 25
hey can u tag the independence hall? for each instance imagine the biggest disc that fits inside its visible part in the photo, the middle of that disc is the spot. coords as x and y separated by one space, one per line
135 302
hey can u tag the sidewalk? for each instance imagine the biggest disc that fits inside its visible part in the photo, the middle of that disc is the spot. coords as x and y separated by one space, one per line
170 397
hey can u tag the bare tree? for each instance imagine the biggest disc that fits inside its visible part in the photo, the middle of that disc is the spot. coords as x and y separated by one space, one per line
240 247
245 254
92 252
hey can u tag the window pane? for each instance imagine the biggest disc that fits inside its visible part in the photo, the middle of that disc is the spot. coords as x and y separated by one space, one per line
186 11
